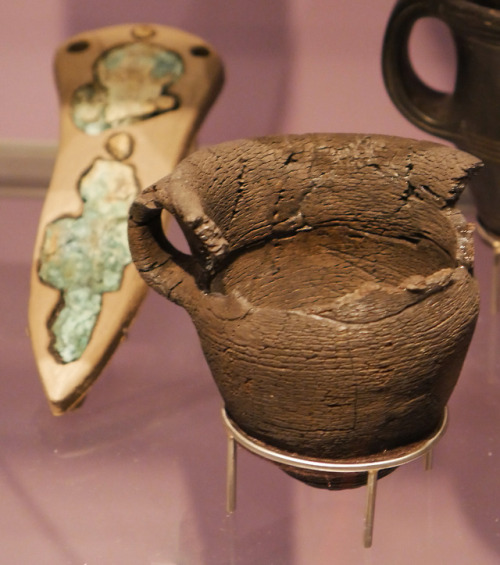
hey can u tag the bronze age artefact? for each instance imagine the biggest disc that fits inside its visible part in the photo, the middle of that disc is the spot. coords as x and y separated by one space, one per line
470 115
330 282
132 99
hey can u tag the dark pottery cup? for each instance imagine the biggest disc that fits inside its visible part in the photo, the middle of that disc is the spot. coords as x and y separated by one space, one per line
330 282
470 115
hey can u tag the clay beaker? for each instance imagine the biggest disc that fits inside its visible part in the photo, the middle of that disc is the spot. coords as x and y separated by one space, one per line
330 282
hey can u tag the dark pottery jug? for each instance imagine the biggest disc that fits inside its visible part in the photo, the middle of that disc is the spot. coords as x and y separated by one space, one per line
470 116
330 282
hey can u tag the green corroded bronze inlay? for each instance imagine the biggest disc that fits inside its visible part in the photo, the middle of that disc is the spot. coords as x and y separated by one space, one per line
85 257
131 83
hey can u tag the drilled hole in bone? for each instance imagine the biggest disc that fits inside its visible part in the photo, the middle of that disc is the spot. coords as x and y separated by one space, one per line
200 51
78 46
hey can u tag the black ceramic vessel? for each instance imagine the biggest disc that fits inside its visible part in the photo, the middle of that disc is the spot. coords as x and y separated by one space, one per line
470 115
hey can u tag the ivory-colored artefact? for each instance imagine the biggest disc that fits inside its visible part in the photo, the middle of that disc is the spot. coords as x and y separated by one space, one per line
132 98
330 282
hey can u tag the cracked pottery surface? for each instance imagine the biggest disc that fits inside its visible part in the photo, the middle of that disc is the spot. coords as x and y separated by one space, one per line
330 282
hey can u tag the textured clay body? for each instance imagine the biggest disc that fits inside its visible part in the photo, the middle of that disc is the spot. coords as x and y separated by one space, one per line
330 283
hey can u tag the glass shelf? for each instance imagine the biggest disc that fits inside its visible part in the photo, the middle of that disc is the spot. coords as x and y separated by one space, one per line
137 474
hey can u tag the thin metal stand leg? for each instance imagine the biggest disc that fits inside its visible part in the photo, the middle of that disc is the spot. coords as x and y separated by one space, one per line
236 437
495 279
494 241
370 508
428 460
231 474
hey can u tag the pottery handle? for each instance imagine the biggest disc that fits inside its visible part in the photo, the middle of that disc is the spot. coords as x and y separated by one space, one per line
425 107
178 276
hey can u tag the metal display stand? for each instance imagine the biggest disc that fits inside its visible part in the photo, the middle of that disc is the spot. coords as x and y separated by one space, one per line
494 242
371 465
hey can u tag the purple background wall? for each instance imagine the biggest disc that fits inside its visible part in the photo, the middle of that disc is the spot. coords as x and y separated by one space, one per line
137 474
292 65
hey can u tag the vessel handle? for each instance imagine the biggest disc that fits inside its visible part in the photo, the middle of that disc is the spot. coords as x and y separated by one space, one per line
178 276
427 108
